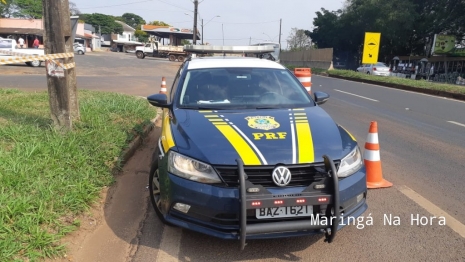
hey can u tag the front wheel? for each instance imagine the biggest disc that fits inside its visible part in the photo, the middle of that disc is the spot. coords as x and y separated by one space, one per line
140 55
154 187
35 63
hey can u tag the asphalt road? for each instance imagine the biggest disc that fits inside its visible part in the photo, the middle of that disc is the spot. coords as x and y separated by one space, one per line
422 141
103 71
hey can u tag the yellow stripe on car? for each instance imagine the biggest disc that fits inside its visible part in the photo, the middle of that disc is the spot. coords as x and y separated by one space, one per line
166 135
242 148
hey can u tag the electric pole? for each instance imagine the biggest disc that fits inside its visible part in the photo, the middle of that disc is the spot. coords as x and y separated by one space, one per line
280 21
202 31
58 39
196 4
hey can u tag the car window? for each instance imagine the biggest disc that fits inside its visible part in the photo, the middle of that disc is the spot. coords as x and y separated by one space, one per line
175 84
249 87
381 64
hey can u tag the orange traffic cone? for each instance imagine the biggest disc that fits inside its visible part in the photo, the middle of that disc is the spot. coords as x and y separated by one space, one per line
373 160
163 86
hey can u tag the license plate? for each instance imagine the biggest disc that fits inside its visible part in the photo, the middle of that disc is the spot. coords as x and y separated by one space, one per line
277 212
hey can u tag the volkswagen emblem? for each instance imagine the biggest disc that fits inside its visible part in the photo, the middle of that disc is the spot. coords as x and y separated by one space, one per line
281 176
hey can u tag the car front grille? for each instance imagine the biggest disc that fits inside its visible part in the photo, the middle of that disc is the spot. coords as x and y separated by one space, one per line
302 175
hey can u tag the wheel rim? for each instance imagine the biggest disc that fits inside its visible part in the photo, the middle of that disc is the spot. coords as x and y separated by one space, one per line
35 63
181 58
139 54
156 189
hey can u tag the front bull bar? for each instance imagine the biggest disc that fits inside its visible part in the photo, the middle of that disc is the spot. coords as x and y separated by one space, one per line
262 228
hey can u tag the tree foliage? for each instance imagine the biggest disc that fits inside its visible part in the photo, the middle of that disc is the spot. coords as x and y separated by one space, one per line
132 20
406 26
106 22
298 40
158 23
27 9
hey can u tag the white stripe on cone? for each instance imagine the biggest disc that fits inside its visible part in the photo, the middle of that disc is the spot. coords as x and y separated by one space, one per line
372 138
304 79
371 155
163 83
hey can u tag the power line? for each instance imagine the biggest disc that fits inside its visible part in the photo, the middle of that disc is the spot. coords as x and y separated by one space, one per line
246 23
173 5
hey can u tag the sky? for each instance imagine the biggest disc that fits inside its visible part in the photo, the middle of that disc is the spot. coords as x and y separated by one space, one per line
240 22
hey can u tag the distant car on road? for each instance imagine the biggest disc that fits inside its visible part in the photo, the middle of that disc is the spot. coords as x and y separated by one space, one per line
378 69
79 48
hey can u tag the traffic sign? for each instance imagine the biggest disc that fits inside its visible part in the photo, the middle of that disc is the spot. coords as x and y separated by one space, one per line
371 48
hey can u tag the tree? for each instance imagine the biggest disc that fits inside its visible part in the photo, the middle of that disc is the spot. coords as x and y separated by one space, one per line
298 40
158 23
27 9
132 20
106 22
73 10
6 8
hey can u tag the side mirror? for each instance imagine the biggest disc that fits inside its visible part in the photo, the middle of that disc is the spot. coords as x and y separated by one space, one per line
321 97
158 100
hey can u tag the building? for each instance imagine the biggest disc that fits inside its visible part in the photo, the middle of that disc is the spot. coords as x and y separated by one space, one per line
28 29
86 35
123 42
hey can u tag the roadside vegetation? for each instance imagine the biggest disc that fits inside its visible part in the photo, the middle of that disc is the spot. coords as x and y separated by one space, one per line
388 80
47 177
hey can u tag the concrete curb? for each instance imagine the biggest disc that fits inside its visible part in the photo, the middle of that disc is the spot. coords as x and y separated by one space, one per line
136 143
402 87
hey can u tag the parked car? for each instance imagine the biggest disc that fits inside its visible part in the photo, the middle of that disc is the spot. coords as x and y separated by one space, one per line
9 45
246 152
79 48
378 69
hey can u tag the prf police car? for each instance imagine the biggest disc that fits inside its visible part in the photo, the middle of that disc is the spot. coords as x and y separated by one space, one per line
245 152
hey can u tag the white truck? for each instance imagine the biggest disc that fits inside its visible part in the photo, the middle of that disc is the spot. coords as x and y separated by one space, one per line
9 45
154 49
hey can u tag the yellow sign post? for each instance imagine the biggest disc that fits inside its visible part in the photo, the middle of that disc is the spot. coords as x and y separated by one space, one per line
371 48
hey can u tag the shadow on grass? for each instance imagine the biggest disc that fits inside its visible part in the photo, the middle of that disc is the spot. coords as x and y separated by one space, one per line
25 119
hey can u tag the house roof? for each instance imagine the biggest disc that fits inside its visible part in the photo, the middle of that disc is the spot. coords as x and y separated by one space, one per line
126 27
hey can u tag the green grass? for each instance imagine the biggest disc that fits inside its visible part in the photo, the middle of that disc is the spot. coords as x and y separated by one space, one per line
401 81
47 177
390 80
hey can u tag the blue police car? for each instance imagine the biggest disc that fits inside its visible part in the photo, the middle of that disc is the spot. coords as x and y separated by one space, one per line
246 152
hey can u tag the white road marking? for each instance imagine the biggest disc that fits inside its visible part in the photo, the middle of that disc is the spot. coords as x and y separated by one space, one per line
169 246
356 95
456 123
407 91
453 223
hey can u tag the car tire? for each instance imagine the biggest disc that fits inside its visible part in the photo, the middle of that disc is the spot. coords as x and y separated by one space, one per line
172 58
80 52
153 180
140 55
35 63
181 58
368 73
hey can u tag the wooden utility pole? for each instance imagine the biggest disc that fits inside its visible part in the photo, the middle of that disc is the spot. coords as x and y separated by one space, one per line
196 6
62 87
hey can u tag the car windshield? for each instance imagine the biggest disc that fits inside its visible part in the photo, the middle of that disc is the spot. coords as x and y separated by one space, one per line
226 88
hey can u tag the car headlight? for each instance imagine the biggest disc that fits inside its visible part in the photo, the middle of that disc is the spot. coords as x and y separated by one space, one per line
191 169
350 163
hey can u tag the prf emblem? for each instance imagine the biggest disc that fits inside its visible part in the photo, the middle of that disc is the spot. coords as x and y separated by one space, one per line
262 122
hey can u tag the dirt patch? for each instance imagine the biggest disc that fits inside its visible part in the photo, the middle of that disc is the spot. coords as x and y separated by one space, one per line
90 221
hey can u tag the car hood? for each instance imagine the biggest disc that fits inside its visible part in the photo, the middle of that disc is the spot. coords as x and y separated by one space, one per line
258 137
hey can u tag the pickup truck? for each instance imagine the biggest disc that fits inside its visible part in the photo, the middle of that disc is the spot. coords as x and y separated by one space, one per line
10 45
154 49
